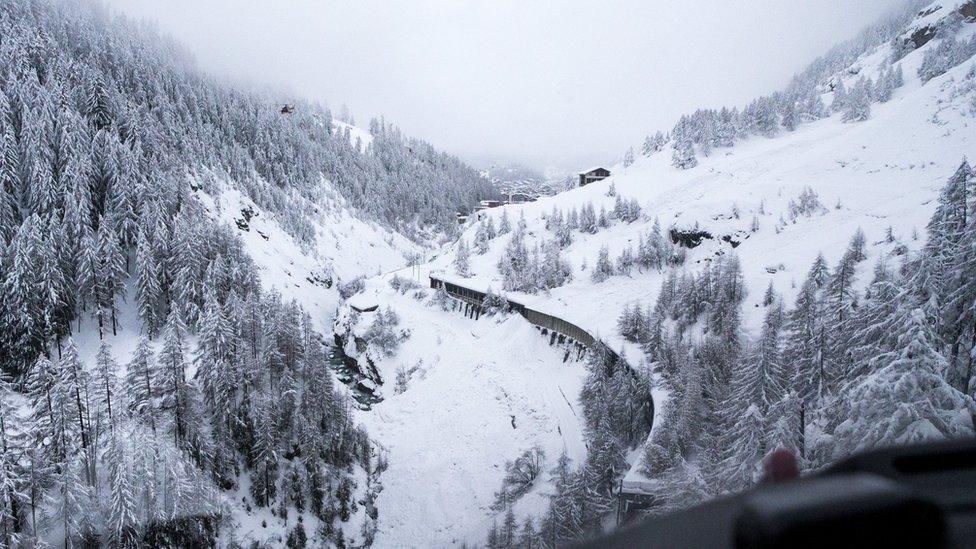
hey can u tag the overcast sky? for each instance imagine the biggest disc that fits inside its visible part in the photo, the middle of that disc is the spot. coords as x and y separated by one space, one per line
561 83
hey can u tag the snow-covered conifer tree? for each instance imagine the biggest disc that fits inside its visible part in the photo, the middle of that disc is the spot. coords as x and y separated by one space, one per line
683 154
462 261
839 102
140 383
148 286
629 158
481 240
603 269
505 226
587 219
857 105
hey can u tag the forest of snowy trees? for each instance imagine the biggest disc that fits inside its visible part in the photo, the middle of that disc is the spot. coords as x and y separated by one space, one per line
87 93
839 372
106 134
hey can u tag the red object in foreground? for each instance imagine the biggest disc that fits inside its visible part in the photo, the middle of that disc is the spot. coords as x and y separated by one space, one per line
780 466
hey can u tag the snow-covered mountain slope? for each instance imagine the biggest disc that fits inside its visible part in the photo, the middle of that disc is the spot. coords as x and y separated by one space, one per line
884 172
345 247
880 174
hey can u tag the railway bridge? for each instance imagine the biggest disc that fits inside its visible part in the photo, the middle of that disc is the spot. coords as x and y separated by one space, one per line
471 303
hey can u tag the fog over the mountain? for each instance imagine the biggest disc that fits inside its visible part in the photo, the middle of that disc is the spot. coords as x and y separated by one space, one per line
509 80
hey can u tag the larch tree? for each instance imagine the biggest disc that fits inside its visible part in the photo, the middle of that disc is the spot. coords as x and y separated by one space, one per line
140 383
148 290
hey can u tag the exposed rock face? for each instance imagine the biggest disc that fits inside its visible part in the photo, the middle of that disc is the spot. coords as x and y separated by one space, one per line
244 222
688 238
922 35
968 10
735 238
734 242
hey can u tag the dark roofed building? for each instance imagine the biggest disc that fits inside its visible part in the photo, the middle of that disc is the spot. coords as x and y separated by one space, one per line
593 174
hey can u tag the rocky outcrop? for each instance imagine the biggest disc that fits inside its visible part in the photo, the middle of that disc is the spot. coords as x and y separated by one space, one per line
919 36
689 238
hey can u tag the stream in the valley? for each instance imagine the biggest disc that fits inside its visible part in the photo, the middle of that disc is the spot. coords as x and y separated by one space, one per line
363 390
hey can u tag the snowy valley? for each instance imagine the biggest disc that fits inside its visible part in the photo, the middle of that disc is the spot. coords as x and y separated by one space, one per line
188 275
591 255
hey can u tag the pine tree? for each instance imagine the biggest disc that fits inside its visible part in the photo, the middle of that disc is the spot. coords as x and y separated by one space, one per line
514 264
572 220
22 336
462 265
490 228
140 383
148 287
122 518
770 296
683 155
857 104
507 535
626 261
885 85
265 454
587 219
71 502
789 115
554 271
172 384
493 541
12 481
961 313
603 268
122 201
75 383
773 372
629 158
841 301
783 426
213 349
806 344
505 226
105 386
110 276
98 107
187 287
840 97
56 300
944 274
481 240
746 449
528 538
